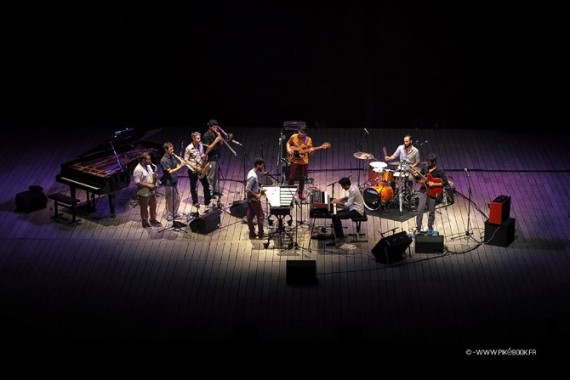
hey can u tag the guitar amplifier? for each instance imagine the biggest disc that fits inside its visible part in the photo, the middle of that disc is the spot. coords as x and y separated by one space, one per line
500 209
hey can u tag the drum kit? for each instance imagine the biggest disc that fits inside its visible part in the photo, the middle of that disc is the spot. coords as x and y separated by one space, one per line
386 187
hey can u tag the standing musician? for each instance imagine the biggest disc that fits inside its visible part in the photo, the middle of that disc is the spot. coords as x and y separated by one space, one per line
353 206
211 139
145 178
299 146
196 155
431 187
253 194
170 165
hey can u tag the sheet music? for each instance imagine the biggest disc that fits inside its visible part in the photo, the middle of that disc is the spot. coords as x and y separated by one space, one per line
280 196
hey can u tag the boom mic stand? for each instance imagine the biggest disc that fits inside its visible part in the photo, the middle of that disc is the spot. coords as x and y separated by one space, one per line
468 232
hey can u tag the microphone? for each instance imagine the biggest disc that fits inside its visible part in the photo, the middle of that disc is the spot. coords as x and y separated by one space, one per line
366 131
466 172
237 142
123 131
422 143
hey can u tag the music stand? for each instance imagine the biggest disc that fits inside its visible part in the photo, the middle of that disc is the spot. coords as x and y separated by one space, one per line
280 204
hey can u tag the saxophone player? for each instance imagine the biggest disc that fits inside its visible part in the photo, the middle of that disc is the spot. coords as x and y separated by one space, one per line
195 154
146 180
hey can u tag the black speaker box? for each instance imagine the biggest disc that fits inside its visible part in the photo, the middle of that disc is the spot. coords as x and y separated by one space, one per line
31 200
429 244
239 209
500 235
206 223
392 248
301 272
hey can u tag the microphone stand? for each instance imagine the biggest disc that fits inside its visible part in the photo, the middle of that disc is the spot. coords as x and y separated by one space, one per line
467 232
358 149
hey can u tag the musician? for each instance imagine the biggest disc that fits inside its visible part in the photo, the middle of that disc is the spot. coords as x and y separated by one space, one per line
145 178
195 153
407 153
299 162
211 139
427 194
253 194
170 165
353 206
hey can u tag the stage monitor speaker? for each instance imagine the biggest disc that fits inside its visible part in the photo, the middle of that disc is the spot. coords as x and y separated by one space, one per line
500 209
502 235
239 209
392 248
429 244
206 223
31 200
301 272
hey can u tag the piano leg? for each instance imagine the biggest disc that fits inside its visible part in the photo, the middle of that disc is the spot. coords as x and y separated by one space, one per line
112 204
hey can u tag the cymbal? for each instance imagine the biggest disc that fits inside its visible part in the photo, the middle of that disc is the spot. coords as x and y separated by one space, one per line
363 156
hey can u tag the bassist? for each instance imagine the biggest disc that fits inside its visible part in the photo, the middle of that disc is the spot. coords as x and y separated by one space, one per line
432 184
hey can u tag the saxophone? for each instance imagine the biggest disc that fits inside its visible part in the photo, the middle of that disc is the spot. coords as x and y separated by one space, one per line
155 181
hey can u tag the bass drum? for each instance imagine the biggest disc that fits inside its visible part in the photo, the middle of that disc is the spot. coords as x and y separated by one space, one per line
371 199
386 192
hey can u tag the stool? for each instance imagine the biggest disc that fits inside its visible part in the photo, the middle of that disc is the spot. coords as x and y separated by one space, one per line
358 221
65 201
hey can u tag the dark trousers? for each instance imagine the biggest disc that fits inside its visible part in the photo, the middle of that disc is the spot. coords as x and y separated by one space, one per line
193 188
298 172
253 211
342 214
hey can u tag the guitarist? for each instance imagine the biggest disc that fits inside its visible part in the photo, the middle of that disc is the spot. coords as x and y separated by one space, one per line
432 185
299 162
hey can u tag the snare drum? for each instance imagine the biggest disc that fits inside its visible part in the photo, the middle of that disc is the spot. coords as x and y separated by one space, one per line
375 169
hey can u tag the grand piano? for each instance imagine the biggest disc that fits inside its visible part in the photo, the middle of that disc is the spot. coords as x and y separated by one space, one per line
108 167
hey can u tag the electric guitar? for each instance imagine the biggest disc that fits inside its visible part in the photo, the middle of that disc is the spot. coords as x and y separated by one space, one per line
300 152
431 191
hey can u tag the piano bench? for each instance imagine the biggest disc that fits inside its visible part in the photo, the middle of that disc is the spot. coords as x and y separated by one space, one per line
60 199
358 223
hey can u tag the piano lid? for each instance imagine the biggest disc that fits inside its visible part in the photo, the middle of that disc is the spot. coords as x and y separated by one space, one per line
121 138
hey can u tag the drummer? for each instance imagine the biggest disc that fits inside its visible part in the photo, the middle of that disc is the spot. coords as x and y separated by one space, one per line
407 153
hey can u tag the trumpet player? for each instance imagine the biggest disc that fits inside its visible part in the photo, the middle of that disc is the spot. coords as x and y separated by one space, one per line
195 154
170 165
212 138
145 178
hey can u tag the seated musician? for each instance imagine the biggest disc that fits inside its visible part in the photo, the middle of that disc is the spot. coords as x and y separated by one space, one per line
353 206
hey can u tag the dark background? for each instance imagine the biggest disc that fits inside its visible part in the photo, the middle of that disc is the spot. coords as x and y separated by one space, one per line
426 66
